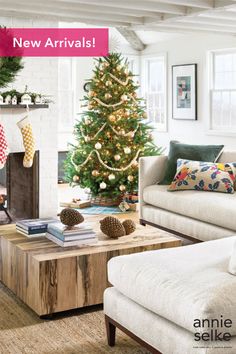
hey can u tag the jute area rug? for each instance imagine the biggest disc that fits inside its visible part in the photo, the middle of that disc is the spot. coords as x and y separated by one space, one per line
80 332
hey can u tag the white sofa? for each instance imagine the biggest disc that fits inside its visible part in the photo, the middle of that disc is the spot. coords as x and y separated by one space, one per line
157 295
196 215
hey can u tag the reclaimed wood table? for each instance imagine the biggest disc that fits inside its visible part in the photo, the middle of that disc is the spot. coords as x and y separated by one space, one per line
50 279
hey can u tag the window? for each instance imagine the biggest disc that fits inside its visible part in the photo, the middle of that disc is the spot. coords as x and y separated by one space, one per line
223 91
154 90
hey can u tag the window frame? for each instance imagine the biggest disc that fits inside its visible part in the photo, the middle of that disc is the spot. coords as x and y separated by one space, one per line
159 127
213 130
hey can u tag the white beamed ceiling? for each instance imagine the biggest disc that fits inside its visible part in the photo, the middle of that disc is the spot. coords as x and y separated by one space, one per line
164 16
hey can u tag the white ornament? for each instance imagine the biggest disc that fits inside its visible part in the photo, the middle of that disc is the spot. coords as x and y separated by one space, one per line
87 121
117 157
127 150
8 99
130 178
111 177
14 100
122 188
103 185
38 100
124 97
98 146
26 99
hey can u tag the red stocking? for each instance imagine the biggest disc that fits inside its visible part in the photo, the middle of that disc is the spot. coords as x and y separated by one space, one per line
3 147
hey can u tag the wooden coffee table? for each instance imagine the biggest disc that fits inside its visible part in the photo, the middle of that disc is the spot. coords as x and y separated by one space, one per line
51 279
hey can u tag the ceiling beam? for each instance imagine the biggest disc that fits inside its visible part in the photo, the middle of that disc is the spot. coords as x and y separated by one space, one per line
208 21
195 26
57 17
146 5
86 8
204 4
224 15
132 38
67 15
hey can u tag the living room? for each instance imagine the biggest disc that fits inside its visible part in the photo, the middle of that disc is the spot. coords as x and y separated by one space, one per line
117 177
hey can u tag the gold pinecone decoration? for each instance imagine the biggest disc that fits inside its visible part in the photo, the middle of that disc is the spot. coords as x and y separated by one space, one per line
129 226
71 217
112 227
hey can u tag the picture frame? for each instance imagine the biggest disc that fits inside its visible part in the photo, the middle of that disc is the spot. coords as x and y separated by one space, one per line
184 92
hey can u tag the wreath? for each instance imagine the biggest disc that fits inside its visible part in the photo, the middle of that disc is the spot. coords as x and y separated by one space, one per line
9 66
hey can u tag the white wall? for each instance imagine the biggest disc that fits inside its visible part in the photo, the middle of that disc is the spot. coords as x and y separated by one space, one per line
186 50
41 75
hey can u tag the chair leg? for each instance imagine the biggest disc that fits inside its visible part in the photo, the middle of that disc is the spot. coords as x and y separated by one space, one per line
8 215
111 332
142 222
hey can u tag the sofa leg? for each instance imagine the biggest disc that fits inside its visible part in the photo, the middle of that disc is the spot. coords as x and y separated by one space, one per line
111 332
142 222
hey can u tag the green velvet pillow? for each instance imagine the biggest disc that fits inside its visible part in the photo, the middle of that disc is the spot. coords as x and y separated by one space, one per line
209 153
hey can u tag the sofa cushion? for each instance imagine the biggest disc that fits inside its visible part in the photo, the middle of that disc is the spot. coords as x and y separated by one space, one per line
214 208
177 150
180 284
204 176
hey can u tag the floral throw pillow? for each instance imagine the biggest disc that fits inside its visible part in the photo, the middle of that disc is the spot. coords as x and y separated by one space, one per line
204 176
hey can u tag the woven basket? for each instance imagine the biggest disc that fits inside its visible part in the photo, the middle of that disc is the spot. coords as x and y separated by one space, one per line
106 201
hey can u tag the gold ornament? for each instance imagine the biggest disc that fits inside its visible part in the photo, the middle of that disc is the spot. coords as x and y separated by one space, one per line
108 83
126 114
112 118
75 178
135 164
127 150
131 134
111 177
95 173
124 98
118 145
117 157
119 67
122 188
103 185
107 96
90 107
130 178
98 146
91 93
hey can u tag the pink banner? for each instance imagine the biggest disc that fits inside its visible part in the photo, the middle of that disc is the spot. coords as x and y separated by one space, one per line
54 42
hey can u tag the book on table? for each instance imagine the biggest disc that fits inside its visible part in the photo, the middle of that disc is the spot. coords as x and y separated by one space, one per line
34 226
30 235
69 243
59 228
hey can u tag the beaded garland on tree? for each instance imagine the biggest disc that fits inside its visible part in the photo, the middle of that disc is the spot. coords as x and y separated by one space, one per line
111 135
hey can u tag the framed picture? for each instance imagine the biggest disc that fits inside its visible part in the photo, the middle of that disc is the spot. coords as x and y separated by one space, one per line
184 92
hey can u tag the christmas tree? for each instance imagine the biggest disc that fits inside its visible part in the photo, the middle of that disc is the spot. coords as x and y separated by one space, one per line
111 135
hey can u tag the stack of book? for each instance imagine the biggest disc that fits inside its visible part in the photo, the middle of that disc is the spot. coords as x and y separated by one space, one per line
33 227
75 236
